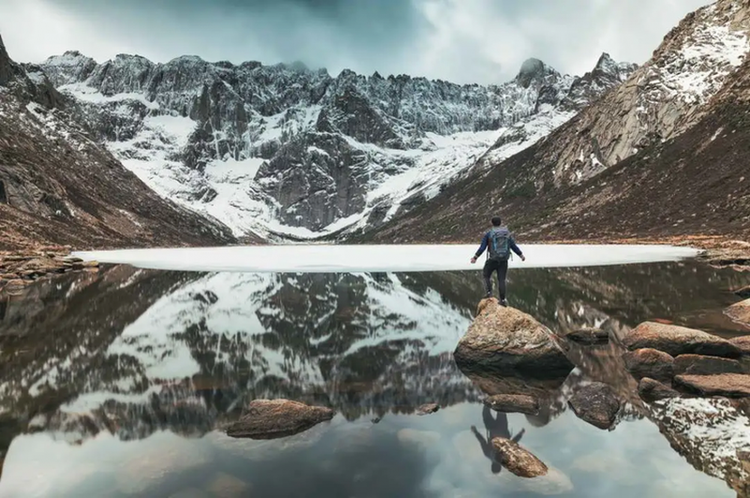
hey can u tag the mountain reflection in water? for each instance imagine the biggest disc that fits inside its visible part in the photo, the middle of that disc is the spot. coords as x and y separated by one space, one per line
136 355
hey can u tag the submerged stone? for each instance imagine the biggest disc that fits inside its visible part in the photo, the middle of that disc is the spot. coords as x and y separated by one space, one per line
518 459
597 404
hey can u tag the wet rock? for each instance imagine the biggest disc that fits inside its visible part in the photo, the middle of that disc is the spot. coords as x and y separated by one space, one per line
428 408
588 336
227 486
695 364
518 459
513 403
729 385
676 340
743 343
739 312
506 340
648 362
270 419
597 404
743 292
651 390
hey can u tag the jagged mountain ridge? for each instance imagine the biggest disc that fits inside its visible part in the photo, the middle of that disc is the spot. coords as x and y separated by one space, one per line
58 186
286 149
635 163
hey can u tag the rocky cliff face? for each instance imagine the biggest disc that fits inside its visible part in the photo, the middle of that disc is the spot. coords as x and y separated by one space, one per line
285 149
58 186
633 163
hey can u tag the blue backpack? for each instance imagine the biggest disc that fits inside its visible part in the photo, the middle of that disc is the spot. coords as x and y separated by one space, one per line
499 243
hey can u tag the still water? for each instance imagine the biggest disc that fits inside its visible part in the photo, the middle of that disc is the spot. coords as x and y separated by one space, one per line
116 383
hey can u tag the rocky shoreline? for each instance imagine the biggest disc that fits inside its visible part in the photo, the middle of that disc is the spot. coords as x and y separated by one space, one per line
18 269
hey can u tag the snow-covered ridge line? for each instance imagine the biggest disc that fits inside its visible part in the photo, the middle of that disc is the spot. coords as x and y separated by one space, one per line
285 151
377 258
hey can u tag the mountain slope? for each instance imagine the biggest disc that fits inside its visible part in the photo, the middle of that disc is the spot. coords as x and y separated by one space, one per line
58 186
286 150
687 176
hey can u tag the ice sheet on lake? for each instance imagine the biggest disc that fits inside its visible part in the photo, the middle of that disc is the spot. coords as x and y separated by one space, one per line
377 258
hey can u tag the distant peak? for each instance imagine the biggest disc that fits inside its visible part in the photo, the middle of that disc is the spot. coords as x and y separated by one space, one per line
532 69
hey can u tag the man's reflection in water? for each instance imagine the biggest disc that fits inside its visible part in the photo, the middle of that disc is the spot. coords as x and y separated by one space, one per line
494 427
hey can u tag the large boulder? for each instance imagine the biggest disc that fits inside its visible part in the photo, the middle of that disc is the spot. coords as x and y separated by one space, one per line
518 459
505 340
740 312
651 390
597 404
648 362
727 385
695 364
271 419
676 340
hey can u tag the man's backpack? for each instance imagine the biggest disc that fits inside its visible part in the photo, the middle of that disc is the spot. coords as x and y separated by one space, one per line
499 243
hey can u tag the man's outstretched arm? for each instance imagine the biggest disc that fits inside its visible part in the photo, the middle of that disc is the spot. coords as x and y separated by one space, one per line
516 249
482 247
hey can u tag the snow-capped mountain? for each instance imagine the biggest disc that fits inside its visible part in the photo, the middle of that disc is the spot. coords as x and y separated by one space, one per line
288 150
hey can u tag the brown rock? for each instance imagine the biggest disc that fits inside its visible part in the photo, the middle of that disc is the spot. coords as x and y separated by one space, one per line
506 340
428 408
513 403
588 336
742 342
727 385
695 364
743 292
647 362
651 390
518 459
676 340
597 404
739 312
271 419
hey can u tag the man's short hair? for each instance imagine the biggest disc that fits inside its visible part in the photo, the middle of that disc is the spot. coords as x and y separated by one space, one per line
496 221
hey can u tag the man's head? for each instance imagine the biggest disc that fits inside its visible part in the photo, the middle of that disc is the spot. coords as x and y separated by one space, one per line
496 221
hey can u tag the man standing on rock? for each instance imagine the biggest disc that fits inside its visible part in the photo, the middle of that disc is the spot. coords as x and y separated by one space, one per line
498 242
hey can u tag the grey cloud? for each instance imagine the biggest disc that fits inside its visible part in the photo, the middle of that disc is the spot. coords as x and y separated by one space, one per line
466 41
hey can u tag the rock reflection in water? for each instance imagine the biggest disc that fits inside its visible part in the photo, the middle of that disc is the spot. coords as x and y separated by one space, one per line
133 353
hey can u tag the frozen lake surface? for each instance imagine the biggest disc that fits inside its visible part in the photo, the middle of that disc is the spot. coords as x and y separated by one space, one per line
378 258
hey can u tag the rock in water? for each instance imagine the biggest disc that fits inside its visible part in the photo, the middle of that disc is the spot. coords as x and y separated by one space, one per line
506 340
428 408
588 336
597 404
743 292
695 364
729 385
742 342
271 419
513 403
649 362
651 390
676 340
740 312
518 459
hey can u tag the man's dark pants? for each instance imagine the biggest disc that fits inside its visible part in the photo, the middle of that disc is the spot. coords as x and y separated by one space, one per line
501 267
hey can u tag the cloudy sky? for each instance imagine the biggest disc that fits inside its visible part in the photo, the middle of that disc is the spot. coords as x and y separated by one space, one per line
466 41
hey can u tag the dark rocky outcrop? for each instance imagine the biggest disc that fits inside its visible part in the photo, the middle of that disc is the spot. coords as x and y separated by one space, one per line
651 390
518 459
693 364
588 336
647 362
675 340
513 403
729 385
506 340
271 419
597 404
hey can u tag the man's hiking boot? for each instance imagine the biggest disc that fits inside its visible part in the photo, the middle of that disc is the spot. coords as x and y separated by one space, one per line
504 302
